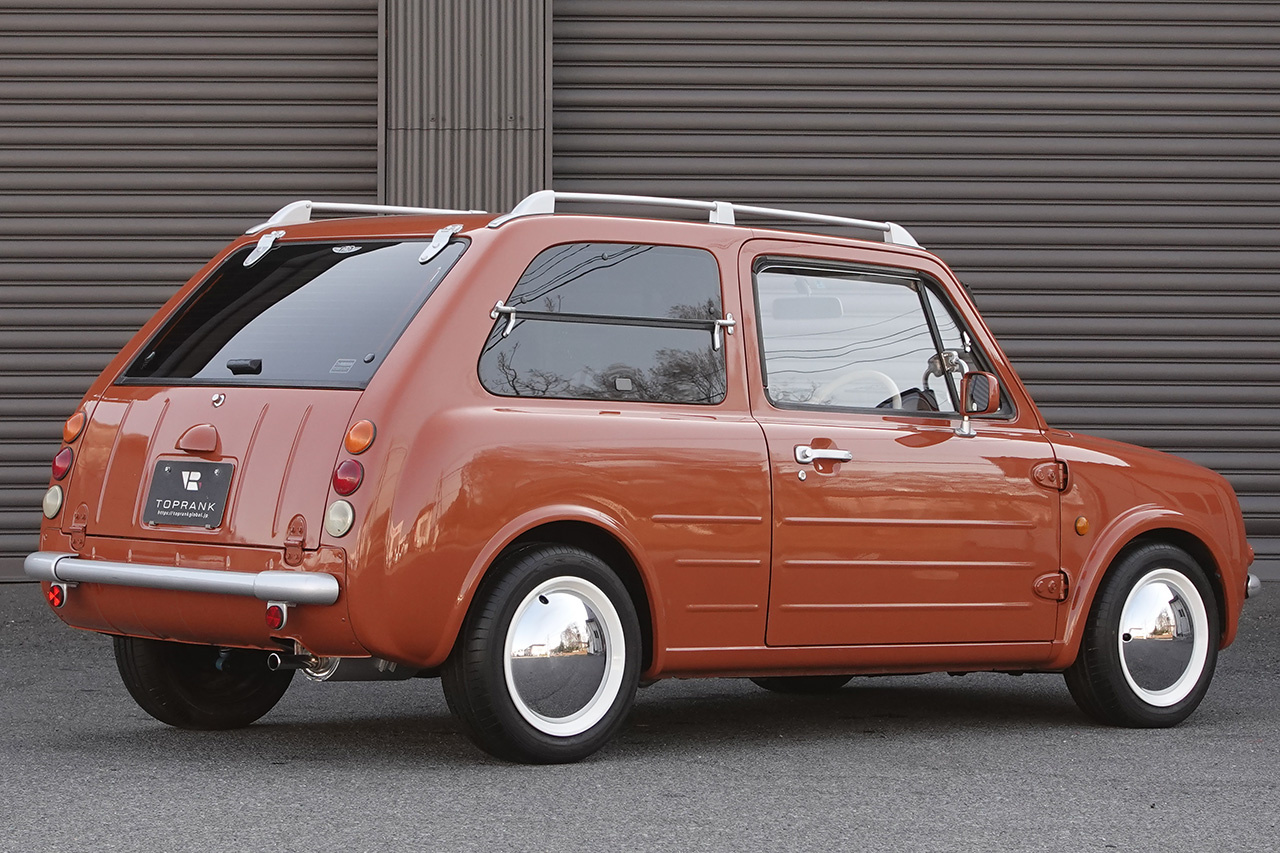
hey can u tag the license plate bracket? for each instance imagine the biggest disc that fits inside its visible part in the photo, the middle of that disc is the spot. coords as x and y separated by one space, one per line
188 493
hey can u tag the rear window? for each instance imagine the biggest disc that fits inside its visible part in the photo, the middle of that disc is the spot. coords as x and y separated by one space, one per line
304 314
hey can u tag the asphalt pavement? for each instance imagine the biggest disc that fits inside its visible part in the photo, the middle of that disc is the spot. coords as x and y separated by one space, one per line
986 762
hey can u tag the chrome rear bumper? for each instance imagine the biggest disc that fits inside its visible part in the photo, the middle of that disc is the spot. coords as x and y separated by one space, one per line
288 587
1252 586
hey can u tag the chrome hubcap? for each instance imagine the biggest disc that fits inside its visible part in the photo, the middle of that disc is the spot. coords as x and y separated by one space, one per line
1164 637
564 656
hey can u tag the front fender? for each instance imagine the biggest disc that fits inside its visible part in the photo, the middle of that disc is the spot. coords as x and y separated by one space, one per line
1116 535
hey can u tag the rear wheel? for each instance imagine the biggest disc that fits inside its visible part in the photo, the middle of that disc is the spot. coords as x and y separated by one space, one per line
199 687
546 667
1151 641
802 684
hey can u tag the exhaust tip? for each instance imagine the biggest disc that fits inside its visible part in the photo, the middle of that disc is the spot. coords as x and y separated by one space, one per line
277 661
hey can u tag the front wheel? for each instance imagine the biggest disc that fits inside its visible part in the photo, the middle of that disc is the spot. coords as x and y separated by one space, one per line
546 667
199 687
1151 641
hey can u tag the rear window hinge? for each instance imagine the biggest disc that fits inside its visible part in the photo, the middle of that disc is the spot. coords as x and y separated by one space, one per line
265 242
438 242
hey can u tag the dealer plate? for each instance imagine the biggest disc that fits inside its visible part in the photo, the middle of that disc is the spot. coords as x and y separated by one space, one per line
191 493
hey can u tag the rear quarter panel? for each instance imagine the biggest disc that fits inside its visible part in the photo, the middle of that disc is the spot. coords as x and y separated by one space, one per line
457 473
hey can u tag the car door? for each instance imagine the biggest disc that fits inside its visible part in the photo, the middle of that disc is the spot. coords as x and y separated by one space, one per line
890 525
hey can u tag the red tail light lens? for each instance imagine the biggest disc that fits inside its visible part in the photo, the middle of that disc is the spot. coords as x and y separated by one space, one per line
57 595
62 463
348 476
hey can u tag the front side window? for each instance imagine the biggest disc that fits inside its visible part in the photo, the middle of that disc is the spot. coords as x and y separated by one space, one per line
610 321
303 314
858 339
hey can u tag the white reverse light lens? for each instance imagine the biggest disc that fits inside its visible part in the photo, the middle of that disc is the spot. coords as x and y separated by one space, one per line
52 501
339 518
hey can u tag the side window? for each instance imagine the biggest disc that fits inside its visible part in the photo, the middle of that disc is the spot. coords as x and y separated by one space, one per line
857 339
611 321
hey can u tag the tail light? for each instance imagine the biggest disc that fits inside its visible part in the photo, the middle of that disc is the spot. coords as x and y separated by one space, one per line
62 463
347 477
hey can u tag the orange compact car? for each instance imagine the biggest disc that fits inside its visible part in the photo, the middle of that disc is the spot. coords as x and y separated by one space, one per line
548 457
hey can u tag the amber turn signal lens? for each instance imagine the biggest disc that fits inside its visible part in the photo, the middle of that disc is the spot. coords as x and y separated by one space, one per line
359 437
348 476
72 428
62 463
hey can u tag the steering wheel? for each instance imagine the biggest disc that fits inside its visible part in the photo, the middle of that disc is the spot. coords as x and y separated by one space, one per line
826 394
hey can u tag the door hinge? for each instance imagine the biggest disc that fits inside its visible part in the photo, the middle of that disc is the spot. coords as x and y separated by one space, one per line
1051 475
295 540
1052 586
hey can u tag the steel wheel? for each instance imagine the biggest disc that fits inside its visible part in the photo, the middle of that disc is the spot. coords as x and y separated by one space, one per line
546 667
565 654
1151 641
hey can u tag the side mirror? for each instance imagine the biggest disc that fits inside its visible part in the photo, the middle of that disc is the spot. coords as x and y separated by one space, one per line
979 395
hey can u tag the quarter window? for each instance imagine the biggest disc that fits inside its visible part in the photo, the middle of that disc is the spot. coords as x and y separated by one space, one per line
611 321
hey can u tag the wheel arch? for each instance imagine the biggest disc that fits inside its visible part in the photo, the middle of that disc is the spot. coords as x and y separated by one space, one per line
1119 541
593 532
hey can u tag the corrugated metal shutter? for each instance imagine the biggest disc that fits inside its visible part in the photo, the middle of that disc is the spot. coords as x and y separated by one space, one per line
136 138
466 102
1106 176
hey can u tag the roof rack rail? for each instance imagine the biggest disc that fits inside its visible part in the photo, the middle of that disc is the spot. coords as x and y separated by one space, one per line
721 212
300 211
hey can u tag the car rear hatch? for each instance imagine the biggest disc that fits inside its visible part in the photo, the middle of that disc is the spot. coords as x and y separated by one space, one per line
225 427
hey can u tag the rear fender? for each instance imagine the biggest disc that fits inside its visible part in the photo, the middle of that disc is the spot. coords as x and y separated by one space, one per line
519 526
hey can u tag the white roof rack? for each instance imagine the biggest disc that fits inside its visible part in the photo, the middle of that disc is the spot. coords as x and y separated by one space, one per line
300 211
721 212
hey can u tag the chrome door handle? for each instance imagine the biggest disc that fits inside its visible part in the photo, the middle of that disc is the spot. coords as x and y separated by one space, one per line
806 454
